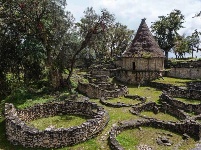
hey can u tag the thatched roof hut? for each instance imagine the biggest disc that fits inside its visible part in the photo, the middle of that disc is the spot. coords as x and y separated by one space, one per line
144 44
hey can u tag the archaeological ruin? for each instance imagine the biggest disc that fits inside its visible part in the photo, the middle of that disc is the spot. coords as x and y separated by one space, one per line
99 86
139 65
20 133
143 61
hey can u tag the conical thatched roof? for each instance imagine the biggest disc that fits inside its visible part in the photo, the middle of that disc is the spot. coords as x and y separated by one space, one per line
144 44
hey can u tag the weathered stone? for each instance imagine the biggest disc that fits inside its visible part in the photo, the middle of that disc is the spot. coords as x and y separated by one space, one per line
19 133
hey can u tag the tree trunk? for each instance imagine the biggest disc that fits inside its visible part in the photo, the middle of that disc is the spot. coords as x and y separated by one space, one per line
4 88
166 59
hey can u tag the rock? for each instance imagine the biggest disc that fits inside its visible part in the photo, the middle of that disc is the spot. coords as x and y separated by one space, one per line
140 128
163 141
185 136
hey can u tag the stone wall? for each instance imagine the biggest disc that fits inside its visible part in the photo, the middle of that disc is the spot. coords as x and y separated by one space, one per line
102 90
156 108
194 85
196 108
97 78
162 86
121 104
191 73
191 128
175 91
154 64
185 93
104 71
19 133
136 77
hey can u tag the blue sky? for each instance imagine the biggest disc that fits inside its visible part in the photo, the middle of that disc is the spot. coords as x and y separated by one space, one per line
130 12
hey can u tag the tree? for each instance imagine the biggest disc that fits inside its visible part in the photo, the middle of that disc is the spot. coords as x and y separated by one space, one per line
119 37
105 45
97 26
32 34
194 41
166 30
181 46
97 47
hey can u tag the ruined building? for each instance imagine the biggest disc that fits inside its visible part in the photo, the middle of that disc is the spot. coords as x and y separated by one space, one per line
143 60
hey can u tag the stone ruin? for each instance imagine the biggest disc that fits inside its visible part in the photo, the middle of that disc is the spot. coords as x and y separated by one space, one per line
121 104
187 126
190 69
156 108
99 86
19 133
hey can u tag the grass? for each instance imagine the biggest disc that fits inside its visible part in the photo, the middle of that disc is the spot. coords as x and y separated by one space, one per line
174 81
130 139
188 101
123 100
160 116
152 94
63 121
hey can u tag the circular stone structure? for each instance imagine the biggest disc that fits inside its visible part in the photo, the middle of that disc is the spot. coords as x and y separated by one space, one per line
19 133
192 129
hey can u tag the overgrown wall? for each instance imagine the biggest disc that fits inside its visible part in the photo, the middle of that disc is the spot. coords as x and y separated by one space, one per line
180 105
19 133
191 128
102 90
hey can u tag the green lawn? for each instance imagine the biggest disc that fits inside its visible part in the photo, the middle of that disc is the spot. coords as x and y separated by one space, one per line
152 94
64 121
188 101
123 100
130 139
174 81
160 116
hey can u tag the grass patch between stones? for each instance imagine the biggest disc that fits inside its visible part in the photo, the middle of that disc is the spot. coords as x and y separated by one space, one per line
160 116
63 121
131 139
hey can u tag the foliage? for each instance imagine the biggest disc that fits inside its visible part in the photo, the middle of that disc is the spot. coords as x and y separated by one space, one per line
166 29
194 41
181 46
66 121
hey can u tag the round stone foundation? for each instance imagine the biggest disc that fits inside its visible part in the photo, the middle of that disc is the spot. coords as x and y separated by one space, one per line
19 133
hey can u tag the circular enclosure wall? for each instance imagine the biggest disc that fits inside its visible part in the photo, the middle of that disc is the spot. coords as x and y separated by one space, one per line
19 133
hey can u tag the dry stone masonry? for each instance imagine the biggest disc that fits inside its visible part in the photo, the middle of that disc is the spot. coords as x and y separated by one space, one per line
188 127
120 104
156 108
190 70
19 133
196 108
99 86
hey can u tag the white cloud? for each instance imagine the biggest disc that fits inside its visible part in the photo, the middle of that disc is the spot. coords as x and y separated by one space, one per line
130 12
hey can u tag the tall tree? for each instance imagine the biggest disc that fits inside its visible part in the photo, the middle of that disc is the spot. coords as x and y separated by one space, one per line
31 29
181 46
166 30
91 31
194 41
119 37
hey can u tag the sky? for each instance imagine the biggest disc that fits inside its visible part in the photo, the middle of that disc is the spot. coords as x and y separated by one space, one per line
130 12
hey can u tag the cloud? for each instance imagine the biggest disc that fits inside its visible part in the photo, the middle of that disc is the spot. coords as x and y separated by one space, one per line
130 12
